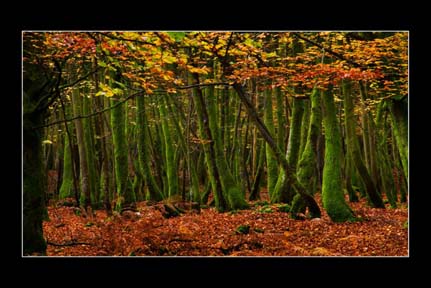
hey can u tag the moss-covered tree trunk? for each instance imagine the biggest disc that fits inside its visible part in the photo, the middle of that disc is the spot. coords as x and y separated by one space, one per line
125 194
281 119
305 125
90 152
332 188
105 175
271 162
353 147
231 189
307 165
399 115
385 166
144 167
85 196
176 115
66 189
171 167
370 134
209 147
282 191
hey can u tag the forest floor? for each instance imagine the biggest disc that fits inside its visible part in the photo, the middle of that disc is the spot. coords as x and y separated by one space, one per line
262 230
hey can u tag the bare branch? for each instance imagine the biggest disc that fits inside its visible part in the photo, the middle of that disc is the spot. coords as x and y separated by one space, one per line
203 84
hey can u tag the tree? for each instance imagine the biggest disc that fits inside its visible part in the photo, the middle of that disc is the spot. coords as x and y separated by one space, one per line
332 188
39 90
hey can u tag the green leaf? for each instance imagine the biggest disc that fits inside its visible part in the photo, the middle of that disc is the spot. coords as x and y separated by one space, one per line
178 36
101 63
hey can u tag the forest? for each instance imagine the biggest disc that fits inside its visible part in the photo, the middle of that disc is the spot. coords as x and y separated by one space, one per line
215 143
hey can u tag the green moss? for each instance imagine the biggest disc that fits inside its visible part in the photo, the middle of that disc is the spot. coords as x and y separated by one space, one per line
171 168
265 209
261 203
307 163
125 194
236 198
283 207
90 153
243 229
271 162
66 189
298 206
332 190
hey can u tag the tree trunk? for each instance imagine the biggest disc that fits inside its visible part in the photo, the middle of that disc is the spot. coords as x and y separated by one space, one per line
385 167
66 189
399 115
125 195
283 192
85 197
231 189
353 148
209 147
271 162
171 168
255 190
88 130
332 188
307 165
33 196
154 192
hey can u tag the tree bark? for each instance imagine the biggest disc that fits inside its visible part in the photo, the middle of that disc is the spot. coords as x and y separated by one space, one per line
85 197
209 149
271 163
353 148
332 189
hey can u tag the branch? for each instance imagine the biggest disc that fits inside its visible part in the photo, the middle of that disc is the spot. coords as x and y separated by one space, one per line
92 114
339 56
203 84
79 79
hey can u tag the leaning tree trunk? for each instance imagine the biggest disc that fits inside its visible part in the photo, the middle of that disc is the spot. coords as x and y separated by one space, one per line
290 177
332 188
209 147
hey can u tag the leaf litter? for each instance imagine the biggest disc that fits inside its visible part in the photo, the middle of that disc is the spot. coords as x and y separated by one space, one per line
252 232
